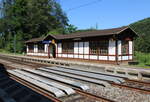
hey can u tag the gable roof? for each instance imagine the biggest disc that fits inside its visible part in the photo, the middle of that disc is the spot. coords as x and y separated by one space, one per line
35 40
95 33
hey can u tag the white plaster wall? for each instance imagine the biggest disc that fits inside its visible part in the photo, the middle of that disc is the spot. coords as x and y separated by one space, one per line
27 48
76 56
37 54
35 48
56 48
86 47
112 58
119 47
103 57
86 56
59 55
80 47
111 48
125 57
70 55
93 57
46 47
59 48
130 57
119 58
80 56
64 55
130 47
76 47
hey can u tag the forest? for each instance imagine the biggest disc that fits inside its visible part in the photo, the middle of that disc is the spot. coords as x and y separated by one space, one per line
25 19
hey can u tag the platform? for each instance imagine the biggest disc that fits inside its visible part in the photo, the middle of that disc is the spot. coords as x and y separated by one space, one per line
127 71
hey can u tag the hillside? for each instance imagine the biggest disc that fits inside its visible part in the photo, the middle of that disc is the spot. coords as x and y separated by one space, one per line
142 27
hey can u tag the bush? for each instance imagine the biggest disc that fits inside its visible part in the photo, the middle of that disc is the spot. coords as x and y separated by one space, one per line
143 58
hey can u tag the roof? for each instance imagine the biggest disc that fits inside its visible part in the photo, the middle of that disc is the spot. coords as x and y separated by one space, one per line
95 33
35 40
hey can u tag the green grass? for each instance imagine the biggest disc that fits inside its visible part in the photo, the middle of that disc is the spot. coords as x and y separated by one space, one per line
143 59
4 51
7 52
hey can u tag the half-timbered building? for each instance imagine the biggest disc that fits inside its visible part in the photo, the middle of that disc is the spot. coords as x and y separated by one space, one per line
109 45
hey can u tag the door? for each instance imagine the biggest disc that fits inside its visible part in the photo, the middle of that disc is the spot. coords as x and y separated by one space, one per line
52 51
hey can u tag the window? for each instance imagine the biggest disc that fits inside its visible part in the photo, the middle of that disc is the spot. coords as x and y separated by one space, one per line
68 47
125 46
30 48
99 47
40 48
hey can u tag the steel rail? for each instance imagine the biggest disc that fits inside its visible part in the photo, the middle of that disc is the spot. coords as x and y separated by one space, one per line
35 88
138 82
132 88
98 98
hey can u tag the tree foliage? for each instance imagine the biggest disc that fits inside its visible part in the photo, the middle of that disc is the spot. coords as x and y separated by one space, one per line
142 27
28 19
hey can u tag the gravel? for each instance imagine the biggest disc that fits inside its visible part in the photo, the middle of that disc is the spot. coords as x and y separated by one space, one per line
119 94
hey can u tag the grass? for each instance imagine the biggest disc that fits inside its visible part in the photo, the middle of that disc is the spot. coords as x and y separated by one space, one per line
143 59
4 51
7 52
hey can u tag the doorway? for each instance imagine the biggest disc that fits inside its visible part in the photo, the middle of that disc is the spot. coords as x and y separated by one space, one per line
52 51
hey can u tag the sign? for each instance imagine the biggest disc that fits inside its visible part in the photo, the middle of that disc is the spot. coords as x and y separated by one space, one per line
53 41
46 42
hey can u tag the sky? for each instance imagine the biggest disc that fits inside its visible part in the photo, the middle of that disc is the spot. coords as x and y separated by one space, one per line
105 13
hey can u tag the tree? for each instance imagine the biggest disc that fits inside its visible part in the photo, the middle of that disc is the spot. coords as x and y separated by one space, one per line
70 29
142 43
29 19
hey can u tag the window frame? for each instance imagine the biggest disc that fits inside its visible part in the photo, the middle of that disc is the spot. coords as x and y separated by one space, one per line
124 47
68 47
100 47
41 48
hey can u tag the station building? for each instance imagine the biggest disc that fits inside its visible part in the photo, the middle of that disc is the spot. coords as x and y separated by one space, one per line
108 45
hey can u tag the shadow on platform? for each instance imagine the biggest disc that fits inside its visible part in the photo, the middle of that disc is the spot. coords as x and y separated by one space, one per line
3 70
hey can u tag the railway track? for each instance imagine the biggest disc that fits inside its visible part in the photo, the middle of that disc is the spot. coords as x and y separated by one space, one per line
139 86
34 88
46 94
13 91
128 84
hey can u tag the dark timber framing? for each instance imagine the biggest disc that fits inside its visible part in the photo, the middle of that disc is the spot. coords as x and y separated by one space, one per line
81 43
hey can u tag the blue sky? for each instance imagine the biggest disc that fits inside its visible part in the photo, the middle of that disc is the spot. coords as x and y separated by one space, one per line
105 13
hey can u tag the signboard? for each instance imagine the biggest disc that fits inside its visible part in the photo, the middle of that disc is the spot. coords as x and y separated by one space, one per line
53 41
46 42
